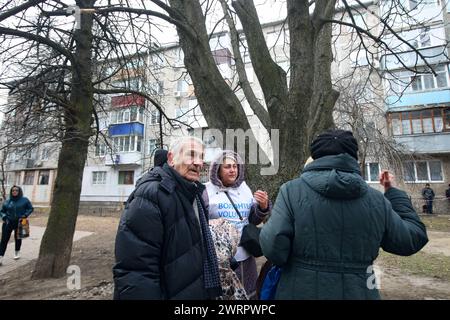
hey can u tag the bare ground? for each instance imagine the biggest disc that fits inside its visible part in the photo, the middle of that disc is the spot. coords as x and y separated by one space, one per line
94 255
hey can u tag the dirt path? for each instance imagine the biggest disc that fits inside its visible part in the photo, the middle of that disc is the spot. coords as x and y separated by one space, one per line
29 250
439 243
396 285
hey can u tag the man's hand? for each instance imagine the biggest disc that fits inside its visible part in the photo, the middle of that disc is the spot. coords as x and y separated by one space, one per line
386 179
262 198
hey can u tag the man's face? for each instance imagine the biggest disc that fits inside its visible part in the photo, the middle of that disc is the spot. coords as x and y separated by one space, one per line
189 160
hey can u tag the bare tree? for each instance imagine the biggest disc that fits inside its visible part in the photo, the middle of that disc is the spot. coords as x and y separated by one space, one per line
360 110
299 105
58 74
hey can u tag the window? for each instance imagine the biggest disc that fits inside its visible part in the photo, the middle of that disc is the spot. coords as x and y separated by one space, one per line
360 20
423 171
44 154
154 117
127 143
152 145
372 172
134 84
243 49
406 81
447 119
418 122
157 88
100 150
99 177
276 38
360 57
157 61
179 58
413 4
28 178
126 177
17 178
181 114
44 176
182 86
131 114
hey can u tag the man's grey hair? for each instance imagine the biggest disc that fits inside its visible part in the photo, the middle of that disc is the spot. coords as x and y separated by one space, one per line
175 146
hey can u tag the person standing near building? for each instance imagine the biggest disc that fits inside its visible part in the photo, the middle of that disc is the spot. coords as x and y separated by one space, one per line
447 193
13 209
328 225
428 196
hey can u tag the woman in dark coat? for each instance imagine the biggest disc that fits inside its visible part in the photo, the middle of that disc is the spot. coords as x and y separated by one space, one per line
13 209
328 225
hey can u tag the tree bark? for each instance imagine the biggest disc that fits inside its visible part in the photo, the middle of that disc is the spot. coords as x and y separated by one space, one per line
56 245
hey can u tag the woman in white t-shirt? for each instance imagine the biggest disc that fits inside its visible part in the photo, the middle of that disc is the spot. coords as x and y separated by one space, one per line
227 176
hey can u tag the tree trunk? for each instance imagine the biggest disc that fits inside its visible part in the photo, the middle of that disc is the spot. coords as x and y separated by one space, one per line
56 245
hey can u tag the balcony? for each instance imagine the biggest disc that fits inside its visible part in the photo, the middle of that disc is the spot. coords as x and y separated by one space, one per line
23 164
124 158
433 55
126 129
434 143
435 97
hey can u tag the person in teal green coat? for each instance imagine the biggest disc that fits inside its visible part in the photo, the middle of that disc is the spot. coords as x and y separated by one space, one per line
328 225
15 207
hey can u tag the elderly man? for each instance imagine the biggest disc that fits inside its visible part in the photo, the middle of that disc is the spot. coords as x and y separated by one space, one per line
164 248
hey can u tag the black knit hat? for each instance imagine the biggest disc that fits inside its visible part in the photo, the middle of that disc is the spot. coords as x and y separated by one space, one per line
160 157
333 142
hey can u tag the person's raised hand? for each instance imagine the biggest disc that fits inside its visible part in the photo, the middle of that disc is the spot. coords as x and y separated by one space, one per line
262 198
386 179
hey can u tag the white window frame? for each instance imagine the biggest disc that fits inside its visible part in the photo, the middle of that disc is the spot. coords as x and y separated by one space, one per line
154 116
428 172
100 150
368 177
98 177
154 143
45 153
134 143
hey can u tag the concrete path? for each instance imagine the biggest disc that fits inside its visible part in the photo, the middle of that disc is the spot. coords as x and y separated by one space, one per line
30 249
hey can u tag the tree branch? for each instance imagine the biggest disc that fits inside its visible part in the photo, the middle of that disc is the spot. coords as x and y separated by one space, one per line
169 19
20 8
39 39
259 110
271 76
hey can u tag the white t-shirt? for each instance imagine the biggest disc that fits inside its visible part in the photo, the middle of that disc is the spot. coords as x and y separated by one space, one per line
221 207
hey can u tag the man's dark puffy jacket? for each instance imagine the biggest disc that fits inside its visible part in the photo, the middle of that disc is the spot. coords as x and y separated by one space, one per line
158 243
327 227
428 193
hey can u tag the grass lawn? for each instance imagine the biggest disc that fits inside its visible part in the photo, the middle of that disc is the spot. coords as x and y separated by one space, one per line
421 263
440 223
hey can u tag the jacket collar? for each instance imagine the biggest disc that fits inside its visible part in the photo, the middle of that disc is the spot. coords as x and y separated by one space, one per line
188 188
342 162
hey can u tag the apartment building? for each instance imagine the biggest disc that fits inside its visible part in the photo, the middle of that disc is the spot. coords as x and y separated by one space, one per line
411 109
